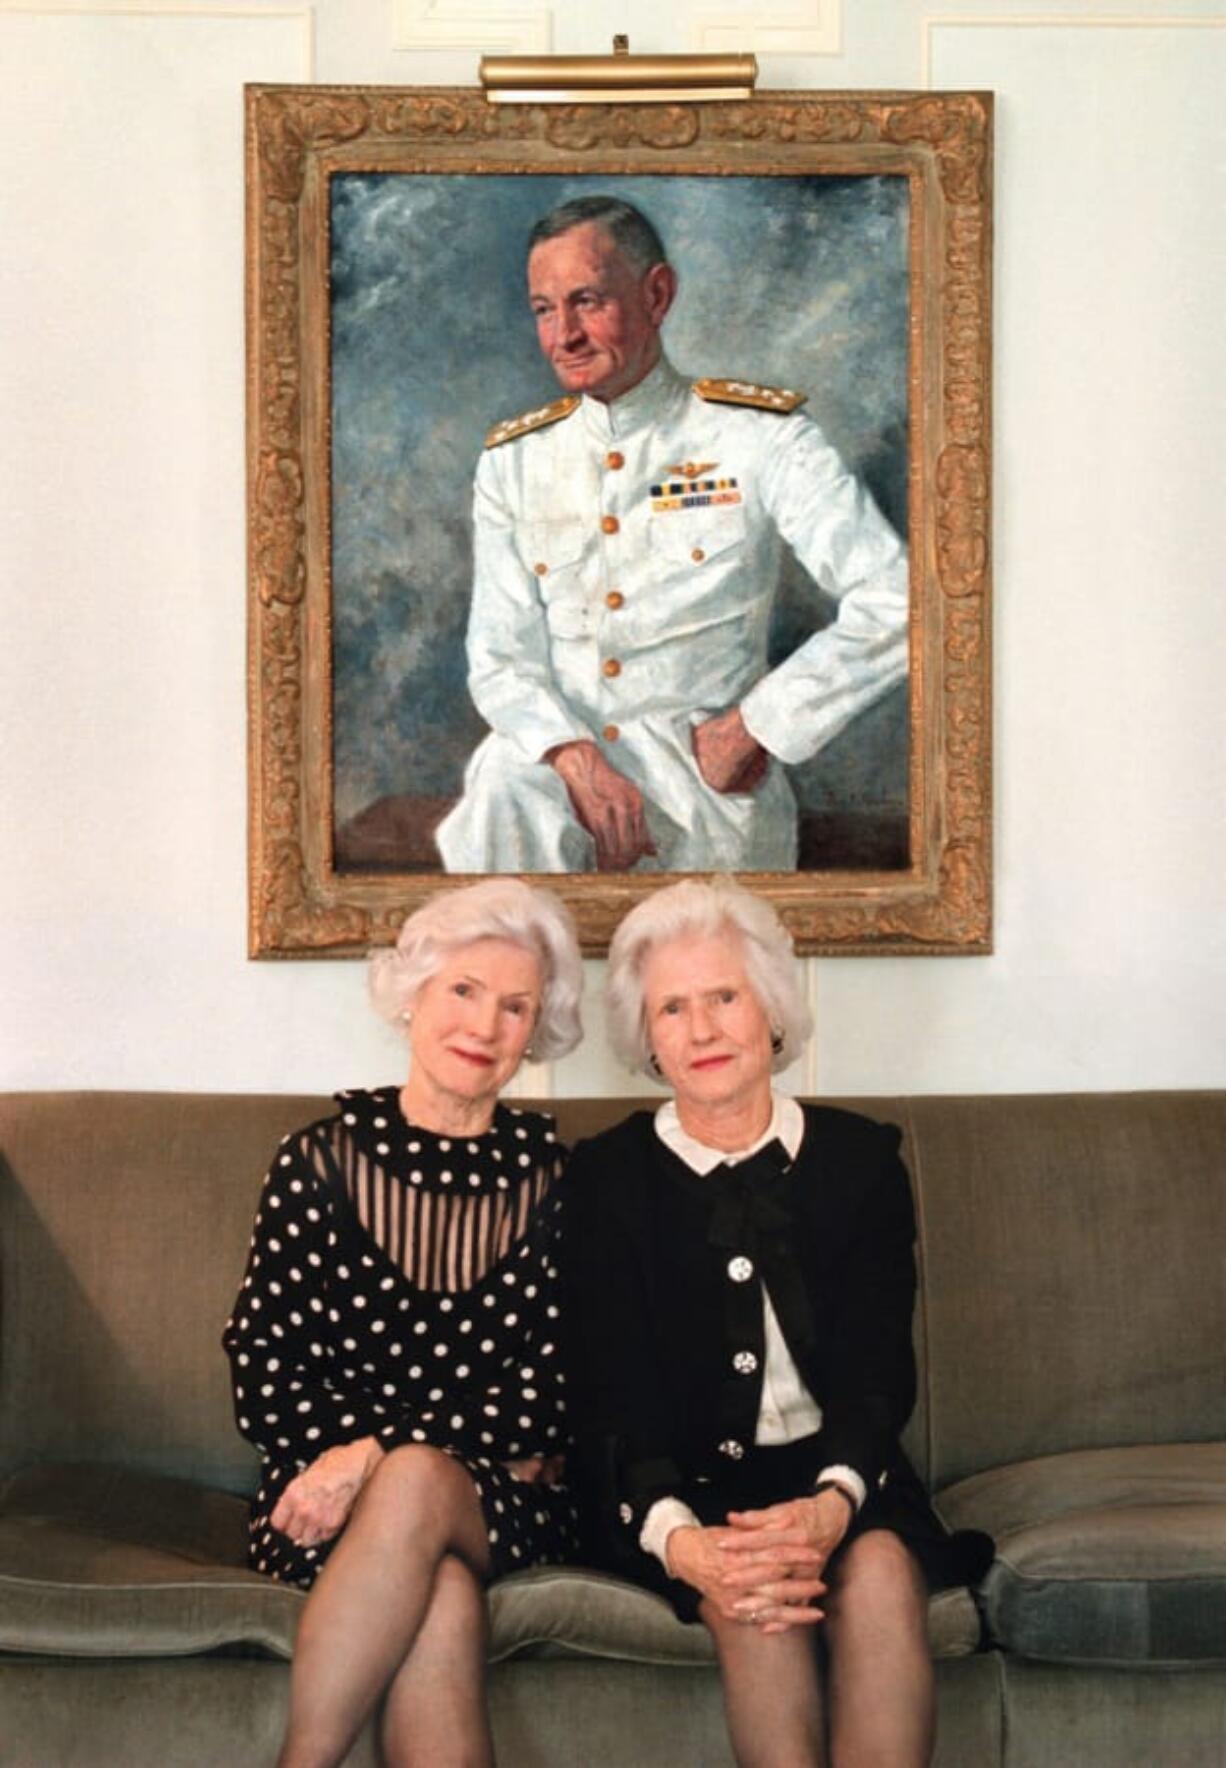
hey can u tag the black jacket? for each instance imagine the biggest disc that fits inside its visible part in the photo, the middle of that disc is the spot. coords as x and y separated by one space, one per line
660 1307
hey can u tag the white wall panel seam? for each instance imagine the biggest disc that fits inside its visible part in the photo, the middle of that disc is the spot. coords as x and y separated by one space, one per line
1067 21
450 24
814 29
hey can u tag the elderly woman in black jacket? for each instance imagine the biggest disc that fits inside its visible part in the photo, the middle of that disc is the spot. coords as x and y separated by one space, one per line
740 1280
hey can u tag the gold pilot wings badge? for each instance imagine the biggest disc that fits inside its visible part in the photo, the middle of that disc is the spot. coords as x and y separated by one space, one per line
513 427
691 469
686 487
780 399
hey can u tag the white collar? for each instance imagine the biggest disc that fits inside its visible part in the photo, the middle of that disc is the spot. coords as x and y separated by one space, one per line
787 1125
645 404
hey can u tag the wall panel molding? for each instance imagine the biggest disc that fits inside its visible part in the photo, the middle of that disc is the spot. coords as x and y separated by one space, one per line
807 1077
174 10
815 28
453 24
1056 21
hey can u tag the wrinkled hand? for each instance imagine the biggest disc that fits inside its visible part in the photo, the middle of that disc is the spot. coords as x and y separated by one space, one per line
538 1470
728 758
813 1525
607 804
771 1584
316 1505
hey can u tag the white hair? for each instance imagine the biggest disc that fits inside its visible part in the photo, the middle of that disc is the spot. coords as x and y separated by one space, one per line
498 908
693 909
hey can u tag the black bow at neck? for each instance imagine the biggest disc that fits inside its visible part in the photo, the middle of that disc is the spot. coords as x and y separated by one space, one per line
753 1213
751 1200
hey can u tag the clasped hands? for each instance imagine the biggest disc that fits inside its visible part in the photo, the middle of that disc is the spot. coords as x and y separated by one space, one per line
610 807
765 1568
316 1505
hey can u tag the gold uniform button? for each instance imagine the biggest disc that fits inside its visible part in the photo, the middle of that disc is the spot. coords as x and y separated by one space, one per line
611 733
614 599
611 667
540 568
615 461
609 524
698 555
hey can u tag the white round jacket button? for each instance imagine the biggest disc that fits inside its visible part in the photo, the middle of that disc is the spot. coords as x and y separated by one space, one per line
740 1268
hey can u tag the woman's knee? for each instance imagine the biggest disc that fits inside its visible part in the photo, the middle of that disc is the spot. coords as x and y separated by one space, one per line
877 1576
415 1482
457 1588
734 1641
742 1643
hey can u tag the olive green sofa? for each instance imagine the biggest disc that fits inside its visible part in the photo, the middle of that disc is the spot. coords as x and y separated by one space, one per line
1071 1335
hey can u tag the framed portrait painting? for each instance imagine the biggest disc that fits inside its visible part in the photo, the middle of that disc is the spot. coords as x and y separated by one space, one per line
619 508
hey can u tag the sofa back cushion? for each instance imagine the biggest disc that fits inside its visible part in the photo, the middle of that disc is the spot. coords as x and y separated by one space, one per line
124 1224
1074 1272
1072 1278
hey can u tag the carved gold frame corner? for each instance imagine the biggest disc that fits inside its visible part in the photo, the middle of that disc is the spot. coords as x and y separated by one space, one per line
297 137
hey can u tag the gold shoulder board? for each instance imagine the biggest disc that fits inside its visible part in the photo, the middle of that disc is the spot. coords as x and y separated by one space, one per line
780 399
540 419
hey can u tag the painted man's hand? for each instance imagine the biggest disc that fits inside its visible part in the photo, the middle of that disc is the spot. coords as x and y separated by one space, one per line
728 758
607 804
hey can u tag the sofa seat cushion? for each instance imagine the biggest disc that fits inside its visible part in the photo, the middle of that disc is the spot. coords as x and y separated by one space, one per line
566 1611
99 1561
1105 1556
108 1562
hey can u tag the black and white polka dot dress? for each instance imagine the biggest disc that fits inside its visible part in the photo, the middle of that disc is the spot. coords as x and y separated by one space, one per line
403 1285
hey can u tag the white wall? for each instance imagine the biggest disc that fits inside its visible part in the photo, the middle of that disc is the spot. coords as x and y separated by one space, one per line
122 766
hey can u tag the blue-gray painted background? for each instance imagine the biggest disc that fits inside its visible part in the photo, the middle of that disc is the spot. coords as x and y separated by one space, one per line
799 282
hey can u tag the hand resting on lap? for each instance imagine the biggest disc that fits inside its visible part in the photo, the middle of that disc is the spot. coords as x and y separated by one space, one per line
747 1578
316 1505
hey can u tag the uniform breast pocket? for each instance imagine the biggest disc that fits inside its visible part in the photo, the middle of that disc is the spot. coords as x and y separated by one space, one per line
557 554
553 551
691 537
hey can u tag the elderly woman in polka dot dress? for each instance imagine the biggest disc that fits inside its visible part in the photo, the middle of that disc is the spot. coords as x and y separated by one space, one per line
393 1345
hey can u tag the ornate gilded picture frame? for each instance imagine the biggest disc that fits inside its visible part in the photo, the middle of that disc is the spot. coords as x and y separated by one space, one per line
828 346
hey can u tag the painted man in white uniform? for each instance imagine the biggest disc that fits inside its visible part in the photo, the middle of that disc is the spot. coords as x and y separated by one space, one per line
627 551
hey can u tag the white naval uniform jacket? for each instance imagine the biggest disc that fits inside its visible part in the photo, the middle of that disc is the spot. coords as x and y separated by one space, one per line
626 558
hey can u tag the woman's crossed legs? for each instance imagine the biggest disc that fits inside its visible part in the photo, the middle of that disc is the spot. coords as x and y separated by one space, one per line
398 1611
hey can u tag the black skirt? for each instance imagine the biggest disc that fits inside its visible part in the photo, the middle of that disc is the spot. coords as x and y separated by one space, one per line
768 1476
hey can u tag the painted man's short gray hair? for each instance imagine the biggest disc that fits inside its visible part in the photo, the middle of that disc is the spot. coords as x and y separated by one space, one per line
694 909
498 908
629 229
